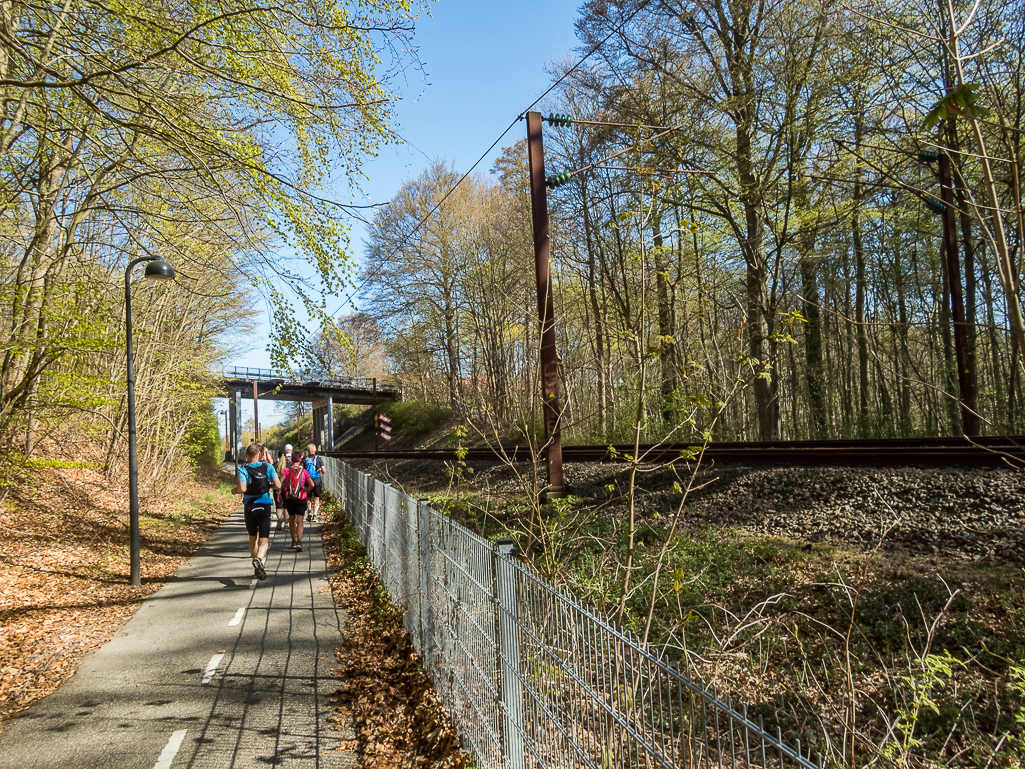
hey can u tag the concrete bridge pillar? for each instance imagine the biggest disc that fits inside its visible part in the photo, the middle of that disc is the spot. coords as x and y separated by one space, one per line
330 424
324 424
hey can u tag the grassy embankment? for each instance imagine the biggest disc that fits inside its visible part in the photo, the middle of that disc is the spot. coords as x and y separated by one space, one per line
911 660
865 655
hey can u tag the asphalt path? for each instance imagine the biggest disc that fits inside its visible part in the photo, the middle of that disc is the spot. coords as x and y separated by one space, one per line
216 670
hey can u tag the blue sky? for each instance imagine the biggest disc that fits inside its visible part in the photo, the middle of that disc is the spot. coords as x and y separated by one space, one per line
485 62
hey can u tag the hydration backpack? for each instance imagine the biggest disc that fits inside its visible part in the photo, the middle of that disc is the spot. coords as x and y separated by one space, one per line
295 482
259 479
313 465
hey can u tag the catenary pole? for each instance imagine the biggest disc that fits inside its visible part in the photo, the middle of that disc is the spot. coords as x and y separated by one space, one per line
256 416
546 306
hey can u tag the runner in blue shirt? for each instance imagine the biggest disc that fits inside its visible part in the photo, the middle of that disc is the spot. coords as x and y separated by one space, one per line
315 467
255 480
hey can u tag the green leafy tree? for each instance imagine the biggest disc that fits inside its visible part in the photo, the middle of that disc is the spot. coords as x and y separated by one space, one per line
200 133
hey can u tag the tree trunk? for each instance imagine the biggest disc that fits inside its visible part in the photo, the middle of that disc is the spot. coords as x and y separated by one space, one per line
970 285
758 314
860 289
949 367
453 359
813 372
667 386
597 319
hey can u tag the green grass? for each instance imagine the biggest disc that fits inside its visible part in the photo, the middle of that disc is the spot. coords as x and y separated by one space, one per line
415 418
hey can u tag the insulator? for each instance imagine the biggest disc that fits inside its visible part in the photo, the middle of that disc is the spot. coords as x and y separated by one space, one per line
560 120
935 204
928 156
559 179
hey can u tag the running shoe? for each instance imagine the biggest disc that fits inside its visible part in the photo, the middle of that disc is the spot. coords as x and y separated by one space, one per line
298 547
258 569
279 525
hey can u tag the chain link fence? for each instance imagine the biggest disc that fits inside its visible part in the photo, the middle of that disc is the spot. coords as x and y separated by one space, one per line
533 679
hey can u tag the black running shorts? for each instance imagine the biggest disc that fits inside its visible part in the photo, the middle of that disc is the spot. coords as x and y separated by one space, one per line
258 518
318 486
296 507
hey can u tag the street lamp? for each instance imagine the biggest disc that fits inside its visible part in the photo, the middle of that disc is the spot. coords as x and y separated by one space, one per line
156 269
227 436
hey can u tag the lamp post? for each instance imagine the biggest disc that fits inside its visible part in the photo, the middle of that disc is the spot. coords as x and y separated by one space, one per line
156 269
227 436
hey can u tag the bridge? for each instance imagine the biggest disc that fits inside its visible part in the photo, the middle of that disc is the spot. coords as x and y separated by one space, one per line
267 385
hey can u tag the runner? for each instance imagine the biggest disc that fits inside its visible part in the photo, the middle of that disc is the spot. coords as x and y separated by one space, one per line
315 467
284 458
295 489
255 481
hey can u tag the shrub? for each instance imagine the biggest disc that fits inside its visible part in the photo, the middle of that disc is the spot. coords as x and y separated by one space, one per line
202 442
412 418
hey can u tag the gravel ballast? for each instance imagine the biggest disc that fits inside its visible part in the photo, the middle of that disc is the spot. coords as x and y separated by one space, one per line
973 515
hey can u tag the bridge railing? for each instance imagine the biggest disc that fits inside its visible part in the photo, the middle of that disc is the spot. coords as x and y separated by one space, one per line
532 678
268 375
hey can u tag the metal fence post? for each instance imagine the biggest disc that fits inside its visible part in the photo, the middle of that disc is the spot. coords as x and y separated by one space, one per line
368 512
509 651
424 510
384 568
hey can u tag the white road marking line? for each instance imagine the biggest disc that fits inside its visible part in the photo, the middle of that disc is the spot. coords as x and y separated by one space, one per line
173 744
212 667
237 618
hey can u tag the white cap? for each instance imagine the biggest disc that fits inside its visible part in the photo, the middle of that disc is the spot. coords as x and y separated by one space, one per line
288 447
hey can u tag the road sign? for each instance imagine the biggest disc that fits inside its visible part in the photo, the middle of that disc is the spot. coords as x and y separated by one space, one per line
384 419
386 428
386 436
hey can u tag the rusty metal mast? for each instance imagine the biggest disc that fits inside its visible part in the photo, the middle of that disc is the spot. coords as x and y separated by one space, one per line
546 307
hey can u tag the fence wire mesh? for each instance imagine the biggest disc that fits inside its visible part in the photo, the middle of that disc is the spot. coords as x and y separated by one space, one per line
533 679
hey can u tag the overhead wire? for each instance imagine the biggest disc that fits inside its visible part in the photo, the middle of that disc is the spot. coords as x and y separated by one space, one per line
519 117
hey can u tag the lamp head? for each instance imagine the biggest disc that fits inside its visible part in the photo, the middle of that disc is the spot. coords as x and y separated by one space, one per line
158 269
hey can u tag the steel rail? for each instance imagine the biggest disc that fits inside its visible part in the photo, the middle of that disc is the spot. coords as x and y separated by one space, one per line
990 451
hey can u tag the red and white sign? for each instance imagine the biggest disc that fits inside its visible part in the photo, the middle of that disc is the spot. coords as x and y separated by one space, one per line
384 419
386 436
386 428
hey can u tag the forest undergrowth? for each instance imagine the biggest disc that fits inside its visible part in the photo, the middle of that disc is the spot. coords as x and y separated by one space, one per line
65 555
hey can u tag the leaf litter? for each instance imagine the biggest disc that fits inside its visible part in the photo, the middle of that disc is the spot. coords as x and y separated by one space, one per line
384 696
65 552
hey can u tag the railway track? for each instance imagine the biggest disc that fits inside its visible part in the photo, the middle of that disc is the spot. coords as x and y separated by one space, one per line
894 452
